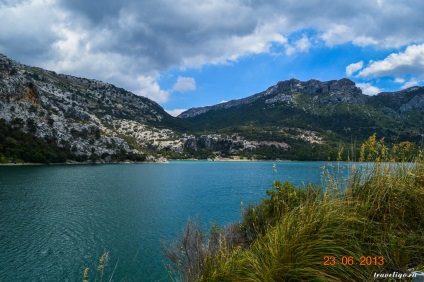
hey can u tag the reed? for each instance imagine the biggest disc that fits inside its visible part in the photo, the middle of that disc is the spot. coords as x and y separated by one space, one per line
375 216
99 274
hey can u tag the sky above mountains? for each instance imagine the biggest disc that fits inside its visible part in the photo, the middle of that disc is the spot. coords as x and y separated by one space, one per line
186 53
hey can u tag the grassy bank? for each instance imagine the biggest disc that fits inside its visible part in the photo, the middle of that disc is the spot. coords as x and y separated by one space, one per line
348 230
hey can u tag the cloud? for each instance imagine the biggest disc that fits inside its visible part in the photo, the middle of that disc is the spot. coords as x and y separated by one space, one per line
301 45
398 64
151 89
121 41
410 84
175 112
337 34
399 80
352 68
368 89
26 31
185 84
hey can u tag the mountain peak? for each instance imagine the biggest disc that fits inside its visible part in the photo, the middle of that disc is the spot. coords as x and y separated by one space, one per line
343 90
6 66
84 117
313 86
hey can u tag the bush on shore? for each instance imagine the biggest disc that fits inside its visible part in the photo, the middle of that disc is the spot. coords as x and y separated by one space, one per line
375 216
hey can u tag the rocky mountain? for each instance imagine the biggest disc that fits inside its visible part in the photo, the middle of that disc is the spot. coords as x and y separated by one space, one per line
343 90
310 120
88 119
49 117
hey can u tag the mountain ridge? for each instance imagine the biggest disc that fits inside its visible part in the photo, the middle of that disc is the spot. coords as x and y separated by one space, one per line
345 89
87 120
311 114
84 115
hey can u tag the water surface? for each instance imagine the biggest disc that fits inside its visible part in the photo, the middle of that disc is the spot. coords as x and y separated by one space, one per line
56 220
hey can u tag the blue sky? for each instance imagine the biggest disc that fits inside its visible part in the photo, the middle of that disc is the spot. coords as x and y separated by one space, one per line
187 53
254 74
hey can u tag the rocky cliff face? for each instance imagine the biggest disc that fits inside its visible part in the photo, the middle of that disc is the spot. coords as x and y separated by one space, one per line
336 91
82 114
310 114
290 120
403 101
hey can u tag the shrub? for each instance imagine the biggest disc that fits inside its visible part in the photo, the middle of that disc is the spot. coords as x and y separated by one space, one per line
378 212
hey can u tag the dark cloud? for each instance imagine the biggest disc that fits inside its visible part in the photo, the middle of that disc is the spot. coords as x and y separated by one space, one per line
130 42
96 11
167 33
11 3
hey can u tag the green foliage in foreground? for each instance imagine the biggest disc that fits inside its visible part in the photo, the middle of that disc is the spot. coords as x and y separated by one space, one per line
378 212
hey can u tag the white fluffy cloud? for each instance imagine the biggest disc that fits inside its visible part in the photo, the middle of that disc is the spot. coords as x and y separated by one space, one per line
338 34
175 112
26 30
129 42
398 64
410 84
368 89
185 84
406 84
151 89
301 45
352 68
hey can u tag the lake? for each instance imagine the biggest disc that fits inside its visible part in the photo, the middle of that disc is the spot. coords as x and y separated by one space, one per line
56 220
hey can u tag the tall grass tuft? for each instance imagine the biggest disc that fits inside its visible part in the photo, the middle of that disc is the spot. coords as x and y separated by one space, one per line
377 212
103 262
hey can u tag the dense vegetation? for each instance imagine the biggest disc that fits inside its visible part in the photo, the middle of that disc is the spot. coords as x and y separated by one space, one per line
382 114
292 120
17 146
377 214
337 124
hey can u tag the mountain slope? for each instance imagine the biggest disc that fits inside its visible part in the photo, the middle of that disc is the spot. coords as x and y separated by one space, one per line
88 118
339 90
310 114
49 117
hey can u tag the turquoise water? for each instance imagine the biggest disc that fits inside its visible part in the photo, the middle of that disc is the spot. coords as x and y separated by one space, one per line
56 220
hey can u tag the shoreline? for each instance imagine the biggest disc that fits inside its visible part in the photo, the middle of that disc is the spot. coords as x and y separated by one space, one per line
77 163
231 160
223 160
